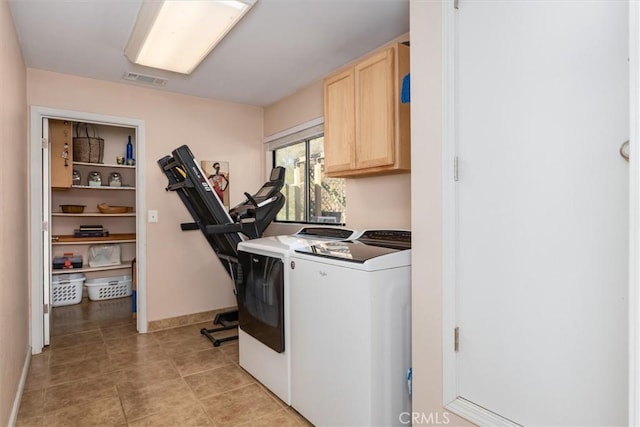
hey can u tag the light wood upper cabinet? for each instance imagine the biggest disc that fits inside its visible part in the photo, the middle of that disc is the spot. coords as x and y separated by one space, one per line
61 148
367 128
339 111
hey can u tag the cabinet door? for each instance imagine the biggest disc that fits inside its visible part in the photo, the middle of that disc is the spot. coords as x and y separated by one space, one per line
339 122
61 151
375 113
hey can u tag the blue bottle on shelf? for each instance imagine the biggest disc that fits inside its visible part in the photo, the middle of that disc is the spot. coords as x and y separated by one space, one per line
129 150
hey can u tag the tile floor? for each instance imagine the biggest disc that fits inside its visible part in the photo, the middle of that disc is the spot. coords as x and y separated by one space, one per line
99 372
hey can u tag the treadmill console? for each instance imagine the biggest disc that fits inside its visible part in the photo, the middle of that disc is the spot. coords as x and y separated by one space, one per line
268 193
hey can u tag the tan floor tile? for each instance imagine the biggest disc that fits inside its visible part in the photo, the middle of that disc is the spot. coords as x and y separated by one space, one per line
31 404
282 418
240 406
74 328
128 359
30 421
70 313
187 344
271 394
98 369
106 310
187 415
155 398
83 391
38 375
175 334
104 412
301 420
201 361
70 372
128 320
218 381
91 337
77 354
232 351
121 331
131 343
40 360
143 376
189 319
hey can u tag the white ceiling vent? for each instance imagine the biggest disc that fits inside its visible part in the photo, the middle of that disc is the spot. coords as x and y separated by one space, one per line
143 78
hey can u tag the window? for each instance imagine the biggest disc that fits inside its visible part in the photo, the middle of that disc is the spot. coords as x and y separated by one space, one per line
310 195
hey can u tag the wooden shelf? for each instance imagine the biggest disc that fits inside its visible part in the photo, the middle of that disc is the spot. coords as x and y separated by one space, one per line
102 187
104 165
113 238
93 214
124 265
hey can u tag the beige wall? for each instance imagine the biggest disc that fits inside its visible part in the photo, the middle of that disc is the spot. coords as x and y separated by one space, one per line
14 214
302 106
382 202
183 274
426 212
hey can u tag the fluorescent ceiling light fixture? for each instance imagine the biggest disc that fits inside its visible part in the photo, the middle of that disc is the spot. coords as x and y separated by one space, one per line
176 35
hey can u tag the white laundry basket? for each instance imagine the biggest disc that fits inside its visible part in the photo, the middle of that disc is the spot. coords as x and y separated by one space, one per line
66 289
109 287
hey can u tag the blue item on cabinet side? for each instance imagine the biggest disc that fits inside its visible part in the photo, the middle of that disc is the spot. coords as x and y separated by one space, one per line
405 96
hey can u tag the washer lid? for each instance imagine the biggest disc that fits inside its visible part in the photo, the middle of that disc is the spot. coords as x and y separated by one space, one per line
285 244
325 233
372 244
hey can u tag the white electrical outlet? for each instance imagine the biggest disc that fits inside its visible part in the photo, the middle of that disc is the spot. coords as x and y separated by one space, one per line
153 217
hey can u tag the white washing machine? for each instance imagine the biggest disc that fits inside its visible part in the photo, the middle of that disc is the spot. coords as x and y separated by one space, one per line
350 330
263 304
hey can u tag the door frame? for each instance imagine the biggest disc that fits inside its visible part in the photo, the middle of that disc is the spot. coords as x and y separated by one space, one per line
634 214
37 192
451 401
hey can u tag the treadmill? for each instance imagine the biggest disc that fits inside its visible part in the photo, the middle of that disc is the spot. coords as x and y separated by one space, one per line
223 230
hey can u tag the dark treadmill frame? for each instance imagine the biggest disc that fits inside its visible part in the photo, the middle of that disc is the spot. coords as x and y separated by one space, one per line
223 233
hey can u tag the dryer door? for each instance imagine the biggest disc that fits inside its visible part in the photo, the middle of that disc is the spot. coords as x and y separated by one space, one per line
261 299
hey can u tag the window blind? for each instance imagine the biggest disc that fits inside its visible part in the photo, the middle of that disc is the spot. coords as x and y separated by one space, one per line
310 129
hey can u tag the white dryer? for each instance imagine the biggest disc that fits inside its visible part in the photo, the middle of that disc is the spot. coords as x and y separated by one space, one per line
350 330
263 303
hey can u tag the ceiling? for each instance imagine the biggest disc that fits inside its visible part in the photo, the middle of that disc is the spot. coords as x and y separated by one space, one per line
279 47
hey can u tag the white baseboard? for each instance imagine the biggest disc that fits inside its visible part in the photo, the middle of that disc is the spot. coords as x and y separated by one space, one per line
23 379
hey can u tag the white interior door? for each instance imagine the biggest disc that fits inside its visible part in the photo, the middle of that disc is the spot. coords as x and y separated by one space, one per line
542 205
46 234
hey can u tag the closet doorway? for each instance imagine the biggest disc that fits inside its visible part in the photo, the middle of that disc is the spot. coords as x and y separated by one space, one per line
53 231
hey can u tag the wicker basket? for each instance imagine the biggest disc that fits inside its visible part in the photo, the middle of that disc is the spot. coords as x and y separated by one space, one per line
106 209
76 209
88 148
